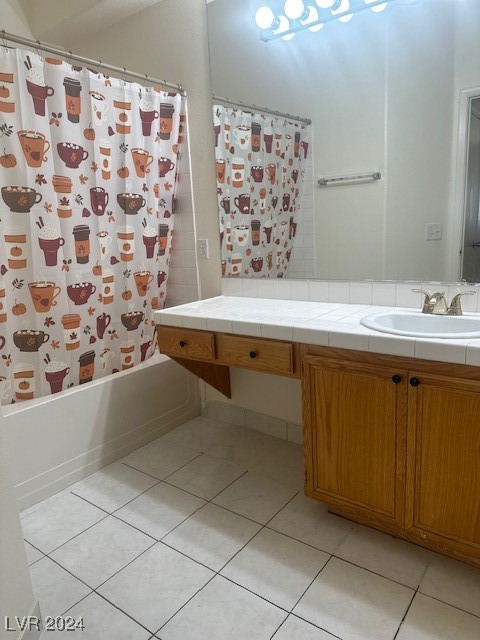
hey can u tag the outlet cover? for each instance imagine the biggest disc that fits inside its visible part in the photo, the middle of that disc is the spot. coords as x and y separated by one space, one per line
433 231
202 247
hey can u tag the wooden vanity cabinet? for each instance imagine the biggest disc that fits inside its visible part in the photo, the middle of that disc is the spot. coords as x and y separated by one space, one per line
396 448
355 437
443 463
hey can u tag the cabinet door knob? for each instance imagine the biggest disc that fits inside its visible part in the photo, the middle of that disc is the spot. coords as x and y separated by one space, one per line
182 343
414 382
253 354
396 378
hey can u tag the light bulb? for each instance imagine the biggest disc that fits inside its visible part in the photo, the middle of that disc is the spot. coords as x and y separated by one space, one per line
378 7
312 16
294 9
265 18
344 6
283 25
325 4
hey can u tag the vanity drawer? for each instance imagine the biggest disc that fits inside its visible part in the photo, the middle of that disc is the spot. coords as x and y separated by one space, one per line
186 343
254 353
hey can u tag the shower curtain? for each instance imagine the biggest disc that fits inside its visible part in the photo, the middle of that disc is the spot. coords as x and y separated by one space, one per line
260 174
87 173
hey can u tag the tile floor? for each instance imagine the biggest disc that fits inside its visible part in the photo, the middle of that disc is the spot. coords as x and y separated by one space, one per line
201 536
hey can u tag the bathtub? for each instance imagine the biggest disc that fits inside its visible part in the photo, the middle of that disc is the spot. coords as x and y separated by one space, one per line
57 440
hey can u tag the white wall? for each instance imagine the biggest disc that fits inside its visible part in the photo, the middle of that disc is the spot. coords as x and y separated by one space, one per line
16 596
169 41
380 92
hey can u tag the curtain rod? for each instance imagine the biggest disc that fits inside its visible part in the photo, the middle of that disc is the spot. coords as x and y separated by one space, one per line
36 44
239 103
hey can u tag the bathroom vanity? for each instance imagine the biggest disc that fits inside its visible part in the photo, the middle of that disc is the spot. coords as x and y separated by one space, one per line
391 441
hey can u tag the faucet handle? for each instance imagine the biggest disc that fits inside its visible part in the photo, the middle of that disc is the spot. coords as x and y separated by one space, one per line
427 306
455 308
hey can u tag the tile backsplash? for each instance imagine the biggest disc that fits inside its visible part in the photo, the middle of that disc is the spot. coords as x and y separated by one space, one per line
389 294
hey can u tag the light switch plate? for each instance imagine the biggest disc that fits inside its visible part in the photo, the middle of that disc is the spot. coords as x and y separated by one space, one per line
433 231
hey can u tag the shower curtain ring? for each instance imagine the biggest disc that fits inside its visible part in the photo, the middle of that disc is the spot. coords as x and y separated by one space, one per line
99 64
123 76
4 33
69 58
39 46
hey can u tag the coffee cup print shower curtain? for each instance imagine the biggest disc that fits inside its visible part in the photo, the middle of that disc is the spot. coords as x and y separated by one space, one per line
88 173
260 163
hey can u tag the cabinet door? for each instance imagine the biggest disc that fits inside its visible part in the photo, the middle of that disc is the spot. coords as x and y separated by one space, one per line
355 437
443 462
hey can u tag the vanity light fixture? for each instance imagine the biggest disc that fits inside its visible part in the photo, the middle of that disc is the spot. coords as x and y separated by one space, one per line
300 15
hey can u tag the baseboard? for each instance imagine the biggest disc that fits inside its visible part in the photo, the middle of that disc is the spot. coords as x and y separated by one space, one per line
253 420
54 480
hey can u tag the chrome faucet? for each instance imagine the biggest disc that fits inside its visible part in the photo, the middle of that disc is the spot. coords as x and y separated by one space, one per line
436 303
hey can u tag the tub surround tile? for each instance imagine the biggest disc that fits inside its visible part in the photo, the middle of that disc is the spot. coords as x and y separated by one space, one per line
370 607
159 510
224 610
164 581
275 567
54 521
96 554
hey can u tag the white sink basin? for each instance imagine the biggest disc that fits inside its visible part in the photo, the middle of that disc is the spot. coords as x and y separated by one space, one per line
420 325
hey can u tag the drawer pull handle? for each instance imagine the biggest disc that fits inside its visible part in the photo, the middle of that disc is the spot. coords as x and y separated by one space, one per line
253 354
396 378
182 343
414 382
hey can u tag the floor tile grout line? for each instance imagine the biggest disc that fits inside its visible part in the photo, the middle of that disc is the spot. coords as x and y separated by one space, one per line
296 603
405 614
182 553
75 536
279 627
124 612
135 527
90 502
359 566
185 604
426 595
296 615
125 566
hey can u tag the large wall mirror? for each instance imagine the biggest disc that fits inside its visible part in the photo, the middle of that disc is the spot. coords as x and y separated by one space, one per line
394 92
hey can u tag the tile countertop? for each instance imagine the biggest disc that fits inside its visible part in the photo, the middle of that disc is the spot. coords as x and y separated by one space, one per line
319 323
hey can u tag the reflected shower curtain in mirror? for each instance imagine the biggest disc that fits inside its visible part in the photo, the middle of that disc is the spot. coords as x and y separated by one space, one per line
87 174
260 163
